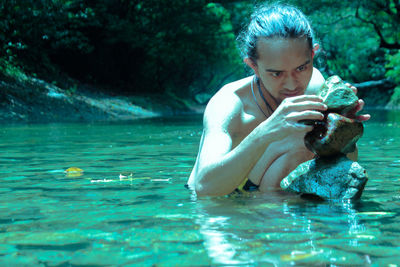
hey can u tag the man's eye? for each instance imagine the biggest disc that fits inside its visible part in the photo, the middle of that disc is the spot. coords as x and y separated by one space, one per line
276 74
301 68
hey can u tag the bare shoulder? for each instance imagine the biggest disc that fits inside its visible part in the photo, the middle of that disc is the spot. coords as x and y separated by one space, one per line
226 106
316 82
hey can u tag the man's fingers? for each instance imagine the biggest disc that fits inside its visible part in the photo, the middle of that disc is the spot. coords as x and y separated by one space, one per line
308 105
364 117
360 105
304 102
352 88
302 98
307 115
357 108
304 127
353 113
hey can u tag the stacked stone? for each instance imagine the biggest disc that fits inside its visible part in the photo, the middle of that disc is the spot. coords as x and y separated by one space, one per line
331 175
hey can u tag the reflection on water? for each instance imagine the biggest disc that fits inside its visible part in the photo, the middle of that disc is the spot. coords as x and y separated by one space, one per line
276 229
107 216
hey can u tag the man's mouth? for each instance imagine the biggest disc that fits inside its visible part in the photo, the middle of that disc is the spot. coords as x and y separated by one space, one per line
291 94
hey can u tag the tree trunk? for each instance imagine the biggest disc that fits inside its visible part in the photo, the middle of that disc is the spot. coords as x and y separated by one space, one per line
384 83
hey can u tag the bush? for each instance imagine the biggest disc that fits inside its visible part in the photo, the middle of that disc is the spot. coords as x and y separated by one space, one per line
393 73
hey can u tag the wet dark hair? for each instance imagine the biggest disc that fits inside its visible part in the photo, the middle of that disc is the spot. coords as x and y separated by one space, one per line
277 20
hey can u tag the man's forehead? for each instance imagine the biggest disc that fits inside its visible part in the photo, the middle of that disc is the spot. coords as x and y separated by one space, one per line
278 41
282 53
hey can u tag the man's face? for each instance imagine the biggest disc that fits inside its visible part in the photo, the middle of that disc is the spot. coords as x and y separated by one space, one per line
284 65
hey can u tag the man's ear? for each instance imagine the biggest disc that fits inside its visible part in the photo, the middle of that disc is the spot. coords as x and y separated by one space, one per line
315 49
249 62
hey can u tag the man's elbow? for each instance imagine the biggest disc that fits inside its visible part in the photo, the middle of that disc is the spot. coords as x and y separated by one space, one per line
200 190
203 188
197 184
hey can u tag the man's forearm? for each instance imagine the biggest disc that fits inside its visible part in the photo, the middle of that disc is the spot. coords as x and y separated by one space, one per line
225 174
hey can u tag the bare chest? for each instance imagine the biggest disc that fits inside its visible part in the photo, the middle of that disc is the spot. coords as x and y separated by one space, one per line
247 123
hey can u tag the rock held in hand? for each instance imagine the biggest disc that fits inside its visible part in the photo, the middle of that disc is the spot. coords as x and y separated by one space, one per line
336 135
338 96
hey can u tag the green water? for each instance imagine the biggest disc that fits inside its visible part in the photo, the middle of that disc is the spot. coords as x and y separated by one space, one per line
100 218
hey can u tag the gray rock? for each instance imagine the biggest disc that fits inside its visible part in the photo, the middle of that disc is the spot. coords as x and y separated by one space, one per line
338 96
330 178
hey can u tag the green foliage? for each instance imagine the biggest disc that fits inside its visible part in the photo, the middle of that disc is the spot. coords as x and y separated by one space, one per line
395 98
350 45
393 73
34 30
181 47
156 46
8 70
393 66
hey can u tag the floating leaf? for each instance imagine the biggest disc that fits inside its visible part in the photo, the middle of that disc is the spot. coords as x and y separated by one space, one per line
74 172
297 255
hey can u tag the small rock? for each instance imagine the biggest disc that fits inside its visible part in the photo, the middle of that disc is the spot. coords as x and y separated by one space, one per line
338 96
330 178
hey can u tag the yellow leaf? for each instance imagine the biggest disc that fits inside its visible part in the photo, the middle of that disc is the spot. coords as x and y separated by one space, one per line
74 172
296 255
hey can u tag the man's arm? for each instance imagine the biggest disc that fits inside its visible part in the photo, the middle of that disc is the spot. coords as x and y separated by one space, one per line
220 167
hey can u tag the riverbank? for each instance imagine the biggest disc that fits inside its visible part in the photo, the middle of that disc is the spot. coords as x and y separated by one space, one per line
32 100
25 99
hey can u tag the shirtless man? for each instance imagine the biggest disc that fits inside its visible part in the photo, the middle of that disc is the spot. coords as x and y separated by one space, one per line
253 134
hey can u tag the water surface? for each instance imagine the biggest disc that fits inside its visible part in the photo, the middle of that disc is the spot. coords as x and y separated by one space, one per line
130 207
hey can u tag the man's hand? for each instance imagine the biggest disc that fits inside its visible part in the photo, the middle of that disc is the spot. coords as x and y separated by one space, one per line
353 113
286 119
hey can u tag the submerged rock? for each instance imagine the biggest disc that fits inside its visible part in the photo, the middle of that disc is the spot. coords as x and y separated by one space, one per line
330 178
337 134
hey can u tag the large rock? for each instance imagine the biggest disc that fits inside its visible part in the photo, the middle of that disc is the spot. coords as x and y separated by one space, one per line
329 178
338 96
336 134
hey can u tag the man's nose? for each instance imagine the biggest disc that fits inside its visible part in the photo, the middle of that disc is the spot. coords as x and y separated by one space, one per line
290 83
